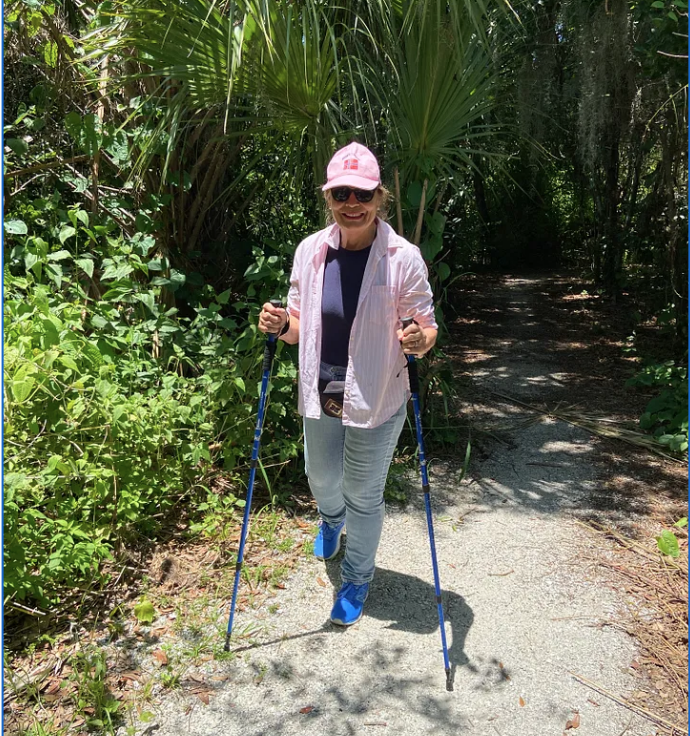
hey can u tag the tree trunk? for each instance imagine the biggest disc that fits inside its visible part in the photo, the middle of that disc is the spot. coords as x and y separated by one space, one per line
612 252
677 247
482 206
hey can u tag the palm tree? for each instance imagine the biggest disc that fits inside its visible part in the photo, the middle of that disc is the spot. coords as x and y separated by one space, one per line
413 77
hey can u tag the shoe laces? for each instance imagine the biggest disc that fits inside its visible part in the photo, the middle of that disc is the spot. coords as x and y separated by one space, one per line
353 592
329 531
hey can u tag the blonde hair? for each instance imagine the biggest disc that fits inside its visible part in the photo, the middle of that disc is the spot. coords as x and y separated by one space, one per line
381 212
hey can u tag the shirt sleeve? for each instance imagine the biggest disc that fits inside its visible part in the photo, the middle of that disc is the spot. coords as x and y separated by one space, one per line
415 299
294 299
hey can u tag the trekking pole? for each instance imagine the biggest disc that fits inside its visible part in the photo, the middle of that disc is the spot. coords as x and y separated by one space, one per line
414 388
269 353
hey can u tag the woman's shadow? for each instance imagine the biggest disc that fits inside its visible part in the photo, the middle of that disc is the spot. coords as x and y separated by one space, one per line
410 604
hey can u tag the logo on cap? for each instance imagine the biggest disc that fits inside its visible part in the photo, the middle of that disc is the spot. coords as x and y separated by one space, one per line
350 164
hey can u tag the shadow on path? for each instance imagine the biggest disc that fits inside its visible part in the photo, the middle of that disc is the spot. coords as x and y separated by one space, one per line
410 605
385 679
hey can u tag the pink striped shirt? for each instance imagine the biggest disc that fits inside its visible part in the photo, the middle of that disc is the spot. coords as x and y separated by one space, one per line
395 285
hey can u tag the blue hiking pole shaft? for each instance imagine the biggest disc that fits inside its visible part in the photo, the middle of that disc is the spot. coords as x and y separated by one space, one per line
269 353
414 389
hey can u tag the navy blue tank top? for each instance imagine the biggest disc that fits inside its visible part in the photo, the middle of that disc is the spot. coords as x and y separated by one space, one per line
342 281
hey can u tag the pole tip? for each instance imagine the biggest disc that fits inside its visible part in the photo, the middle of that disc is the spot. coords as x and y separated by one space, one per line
449 681
226 648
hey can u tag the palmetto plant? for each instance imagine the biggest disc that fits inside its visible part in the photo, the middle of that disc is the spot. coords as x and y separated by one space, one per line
413 77
435 89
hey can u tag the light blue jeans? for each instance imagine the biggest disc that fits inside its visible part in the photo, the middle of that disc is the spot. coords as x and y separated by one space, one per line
347 469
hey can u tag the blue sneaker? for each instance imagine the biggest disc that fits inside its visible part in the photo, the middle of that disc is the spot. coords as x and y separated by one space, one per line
349 604
327 542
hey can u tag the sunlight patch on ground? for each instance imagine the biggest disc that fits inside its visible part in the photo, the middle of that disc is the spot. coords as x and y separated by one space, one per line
564 447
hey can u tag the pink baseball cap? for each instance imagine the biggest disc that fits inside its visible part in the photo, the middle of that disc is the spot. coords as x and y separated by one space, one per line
353 166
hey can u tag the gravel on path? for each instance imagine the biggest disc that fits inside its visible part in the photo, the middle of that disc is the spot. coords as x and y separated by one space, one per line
524 608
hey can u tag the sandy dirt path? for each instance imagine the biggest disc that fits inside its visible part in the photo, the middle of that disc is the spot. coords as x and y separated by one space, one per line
525 606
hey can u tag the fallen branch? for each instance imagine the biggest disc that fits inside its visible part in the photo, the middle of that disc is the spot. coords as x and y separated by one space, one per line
594 425
16 686
627 542
45 166
652 717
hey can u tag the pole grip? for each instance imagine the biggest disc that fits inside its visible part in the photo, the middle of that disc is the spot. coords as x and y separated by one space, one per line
411 363
276 304
269 353
271 342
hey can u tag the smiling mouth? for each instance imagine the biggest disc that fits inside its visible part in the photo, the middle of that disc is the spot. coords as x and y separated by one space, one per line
353 216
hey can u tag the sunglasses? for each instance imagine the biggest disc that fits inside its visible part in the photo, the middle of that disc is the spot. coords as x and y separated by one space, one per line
342 194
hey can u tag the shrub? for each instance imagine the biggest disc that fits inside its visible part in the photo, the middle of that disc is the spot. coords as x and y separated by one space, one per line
666 415
116 409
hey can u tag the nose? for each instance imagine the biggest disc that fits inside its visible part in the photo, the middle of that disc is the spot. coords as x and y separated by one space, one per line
352 199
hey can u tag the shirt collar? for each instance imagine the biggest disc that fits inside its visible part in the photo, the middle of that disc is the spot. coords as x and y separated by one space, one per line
332 240
379 243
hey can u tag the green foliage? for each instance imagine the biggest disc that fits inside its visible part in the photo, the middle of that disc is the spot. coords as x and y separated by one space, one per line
132 357
667 543
666 415
93 698
145 612
117 408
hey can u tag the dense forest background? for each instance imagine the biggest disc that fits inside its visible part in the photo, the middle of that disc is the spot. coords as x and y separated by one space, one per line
162 162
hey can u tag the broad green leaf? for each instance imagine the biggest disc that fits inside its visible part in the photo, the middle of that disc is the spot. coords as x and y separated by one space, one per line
85 131
21 389
66 232
431 247
15 227
19 146
177 279
54 461
30 260
414 193
437 223
668 543
51 336
49 357
83 217
157 264
145 612
443 270
115 272
99 322
59 255
69 362
681 523
147 299
86 265
118 147
105 388
54 273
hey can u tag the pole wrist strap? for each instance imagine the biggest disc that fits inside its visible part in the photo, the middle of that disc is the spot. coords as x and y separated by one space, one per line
287 325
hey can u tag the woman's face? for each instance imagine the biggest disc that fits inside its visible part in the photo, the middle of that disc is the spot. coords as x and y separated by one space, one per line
353 215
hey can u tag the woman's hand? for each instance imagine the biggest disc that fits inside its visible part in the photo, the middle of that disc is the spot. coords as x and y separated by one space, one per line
272 319
415 340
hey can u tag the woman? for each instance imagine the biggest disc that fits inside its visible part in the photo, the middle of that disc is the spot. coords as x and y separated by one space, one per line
351 284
